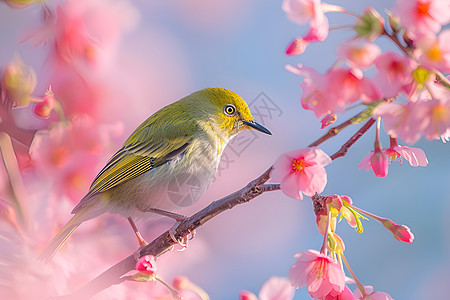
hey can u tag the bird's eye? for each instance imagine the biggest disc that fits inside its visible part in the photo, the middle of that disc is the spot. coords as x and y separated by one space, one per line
229 110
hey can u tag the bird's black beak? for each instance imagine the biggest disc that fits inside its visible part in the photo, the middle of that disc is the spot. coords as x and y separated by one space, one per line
257 126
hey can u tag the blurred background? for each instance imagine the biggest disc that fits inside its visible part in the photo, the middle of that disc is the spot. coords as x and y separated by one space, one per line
165 50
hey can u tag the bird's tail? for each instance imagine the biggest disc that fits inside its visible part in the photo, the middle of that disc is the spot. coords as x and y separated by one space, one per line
58 241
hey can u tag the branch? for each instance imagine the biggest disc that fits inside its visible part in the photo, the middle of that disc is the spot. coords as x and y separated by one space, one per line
164 242
343 151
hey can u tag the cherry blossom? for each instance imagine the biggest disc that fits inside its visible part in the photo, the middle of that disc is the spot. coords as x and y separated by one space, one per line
319 272
296 47
358 54
394 73
301 172
46 106
349 85
434 51
68 153
147 265
315 94
422 17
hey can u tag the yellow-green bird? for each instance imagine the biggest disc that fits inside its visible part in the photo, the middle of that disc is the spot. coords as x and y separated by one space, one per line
167 163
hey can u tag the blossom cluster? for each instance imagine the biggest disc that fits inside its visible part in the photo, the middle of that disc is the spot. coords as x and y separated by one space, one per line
405 87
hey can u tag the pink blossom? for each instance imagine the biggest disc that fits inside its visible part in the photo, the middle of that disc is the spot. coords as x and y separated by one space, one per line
371 295
86 33
377 161
315 95
434 52
301 171
358 54
422 17
277 288
349 85
401 232
394 73
246 295
45 107
312 11
296 47
328 120
303 11
317 31
330 93
345 295
147 265
67 154
319 272
427 117
402 120
415 156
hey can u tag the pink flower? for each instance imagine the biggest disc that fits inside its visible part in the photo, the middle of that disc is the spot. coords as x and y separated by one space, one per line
371 295
377 161
312 11
147 265
303 11
345 295
401 232
318 31
68 154
246 295
275 288
358 54
394 73
434 52
328 120
422 17
402 120
319 272
296 47
45 107
349 85
301 171
415 156
315 95
86 33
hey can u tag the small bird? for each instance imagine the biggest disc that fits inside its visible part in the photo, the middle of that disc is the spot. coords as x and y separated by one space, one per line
167 163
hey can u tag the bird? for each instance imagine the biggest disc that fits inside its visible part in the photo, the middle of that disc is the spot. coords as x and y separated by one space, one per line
166 164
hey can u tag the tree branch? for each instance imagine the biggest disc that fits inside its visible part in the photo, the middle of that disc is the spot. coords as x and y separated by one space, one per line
164 242
353 139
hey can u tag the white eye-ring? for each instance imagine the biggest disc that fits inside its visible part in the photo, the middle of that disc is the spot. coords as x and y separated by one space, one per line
229 110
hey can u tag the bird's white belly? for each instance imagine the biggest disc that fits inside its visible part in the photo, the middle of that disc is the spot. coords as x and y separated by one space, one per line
170 187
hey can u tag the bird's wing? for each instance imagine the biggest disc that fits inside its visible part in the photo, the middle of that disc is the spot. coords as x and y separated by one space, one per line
138 157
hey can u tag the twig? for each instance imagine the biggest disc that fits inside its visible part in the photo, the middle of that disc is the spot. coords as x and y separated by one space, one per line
353 139
164 242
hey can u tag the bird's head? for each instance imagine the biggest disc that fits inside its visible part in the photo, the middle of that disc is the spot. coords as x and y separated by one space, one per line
227 112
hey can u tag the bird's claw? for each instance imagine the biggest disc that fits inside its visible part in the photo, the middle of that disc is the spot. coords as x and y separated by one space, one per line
182 241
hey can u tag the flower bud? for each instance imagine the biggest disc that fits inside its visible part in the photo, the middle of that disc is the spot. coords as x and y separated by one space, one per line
328 120
19 81
45 107
246 295
370 25
401 233
380 163
147 265
296 47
